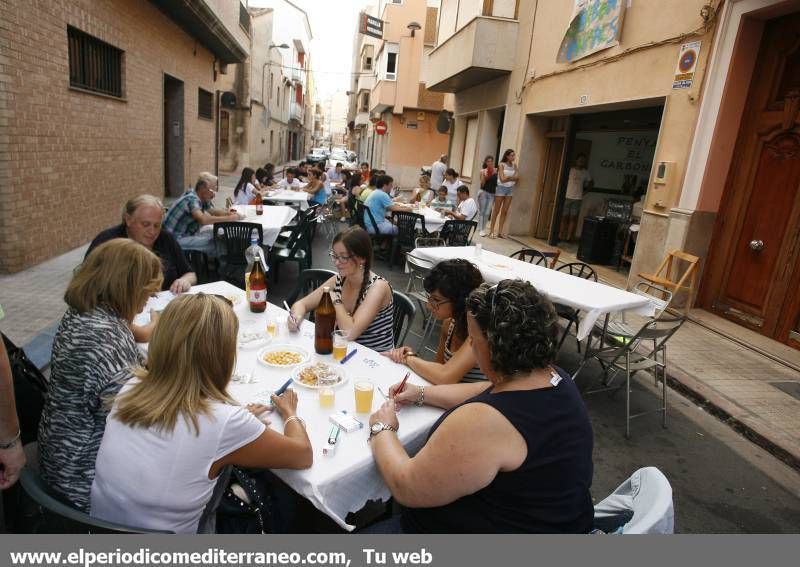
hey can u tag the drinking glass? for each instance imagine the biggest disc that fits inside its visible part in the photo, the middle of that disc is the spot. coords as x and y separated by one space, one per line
327 397
272 327
339 344
364 390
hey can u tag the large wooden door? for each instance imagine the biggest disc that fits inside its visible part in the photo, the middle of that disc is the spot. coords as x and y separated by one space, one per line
753 272
552 161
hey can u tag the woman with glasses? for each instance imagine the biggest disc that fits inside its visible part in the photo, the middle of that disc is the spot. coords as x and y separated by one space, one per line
448 285
513 456
362 299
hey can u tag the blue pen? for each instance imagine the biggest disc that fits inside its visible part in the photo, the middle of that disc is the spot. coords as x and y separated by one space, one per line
282 389
349 356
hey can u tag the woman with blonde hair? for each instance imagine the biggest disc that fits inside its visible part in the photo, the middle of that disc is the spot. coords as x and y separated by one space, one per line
93 347
174 427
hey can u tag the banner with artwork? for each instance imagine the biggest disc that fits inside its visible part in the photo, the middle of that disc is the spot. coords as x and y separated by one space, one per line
595 25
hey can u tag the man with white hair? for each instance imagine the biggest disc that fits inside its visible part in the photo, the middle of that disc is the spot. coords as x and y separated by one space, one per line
437 172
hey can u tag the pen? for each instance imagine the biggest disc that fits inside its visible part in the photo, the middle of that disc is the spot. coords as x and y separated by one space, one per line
291 315
349 356
403 384
282 389
385 397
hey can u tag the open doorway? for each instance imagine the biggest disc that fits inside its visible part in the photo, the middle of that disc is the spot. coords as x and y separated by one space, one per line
173 137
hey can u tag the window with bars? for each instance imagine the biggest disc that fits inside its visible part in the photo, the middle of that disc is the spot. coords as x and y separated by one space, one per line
205 104
94 65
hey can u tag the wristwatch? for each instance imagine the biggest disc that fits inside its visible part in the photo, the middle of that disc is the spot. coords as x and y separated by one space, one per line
377 427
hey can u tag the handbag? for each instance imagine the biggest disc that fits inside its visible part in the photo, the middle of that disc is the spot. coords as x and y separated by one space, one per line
246 505
30 388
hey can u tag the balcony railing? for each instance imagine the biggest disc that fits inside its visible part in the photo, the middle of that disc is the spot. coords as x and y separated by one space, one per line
296 112
298 75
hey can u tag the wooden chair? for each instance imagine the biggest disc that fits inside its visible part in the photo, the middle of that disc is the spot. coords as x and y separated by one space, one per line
668 275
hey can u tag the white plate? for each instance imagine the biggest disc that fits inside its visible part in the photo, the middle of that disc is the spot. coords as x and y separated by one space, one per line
256 339
333 367
303 354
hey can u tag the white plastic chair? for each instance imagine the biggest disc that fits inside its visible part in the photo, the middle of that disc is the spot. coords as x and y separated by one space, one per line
640 505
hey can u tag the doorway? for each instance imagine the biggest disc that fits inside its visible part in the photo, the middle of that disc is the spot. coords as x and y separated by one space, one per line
753 271
173 137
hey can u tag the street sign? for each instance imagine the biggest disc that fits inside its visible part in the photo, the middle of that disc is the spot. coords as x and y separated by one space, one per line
380 127
369 25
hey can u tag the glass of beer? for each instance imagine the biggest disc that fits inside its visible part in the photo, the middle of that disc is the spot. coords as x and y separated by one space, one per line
364 390
327 397
339 345
272 326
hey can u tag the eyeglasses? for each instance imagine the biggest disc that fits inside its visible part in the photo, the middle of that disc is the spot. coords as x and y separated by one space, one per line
436 303
336 258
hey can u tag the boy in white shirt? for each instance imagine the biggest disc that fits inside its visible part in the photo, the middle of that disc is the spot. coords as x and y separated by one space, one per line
290 181
466 207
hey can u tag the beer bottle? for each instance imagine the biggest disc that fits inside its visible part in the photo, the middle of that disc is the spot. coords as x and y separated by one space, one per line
258 288
259 205
324 323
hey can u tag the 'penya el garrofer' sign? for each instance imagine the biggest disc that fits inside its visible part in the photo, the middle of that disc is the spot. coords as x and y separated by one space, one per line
595 25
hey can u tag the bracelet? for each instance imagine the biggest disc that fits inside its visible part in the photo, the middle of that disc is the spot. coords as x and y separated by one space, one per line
291 418
420 401
13 441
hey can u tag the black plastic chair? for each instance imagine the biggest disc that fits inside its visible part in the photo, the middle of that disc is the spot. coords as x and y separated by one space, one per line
537 257
377 237
357 214
579 270
231 240
458 232
308 281
295 249
61 517
404 314
407 232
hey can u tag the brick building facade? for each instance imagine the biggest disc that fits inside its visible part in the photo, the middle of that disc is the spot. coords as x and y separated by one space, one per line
70 157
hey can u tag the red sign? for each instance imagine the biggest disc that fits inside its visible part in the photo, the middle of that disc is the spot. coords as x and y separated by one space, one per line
380 127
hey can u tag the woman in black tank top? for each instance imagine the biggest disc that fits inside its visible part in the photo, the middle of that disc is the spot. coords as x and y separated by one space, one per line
511 457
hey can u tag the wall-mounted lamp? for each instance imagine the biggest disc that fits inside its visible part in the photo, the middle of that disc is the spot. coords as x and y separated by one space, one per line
414 26
281 46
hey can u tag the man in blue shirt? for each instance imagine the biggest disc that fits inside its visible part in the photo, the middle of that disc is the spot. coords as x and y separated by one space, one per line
378 203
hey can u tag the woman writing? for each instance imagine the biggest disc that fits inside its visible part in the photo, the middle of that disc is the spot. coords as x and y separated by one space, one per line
245 190
92 350
174 427
448 285
507 177
362 299
513 457
486 194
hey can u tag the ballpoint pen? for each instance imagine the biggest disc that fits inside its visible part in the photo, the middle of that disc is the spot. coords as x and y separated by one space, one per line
348 356
291 315
282 389
403 384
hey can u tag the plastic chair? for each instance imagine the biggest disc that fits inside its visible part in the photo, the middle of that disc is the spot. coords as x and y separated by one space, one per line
429 242
295 249
532 256
308 281
231 240
458 232
640 505
404 314
579 270
674 281
60 517
407 232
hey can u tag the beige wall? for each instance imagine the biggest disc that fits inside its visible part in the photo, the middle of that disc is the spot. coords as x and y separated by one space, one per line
68 159
402 151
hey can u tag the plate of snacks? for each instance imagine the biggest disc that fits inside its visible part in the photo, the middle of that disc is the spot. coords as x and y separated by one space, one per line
283 356
252 339
319 375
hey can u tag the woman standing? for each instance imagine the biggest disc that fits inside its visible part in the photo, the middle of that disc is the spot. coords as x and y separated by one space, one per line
486 193
92 351
507 177
174 427
452 183
245 190
362 299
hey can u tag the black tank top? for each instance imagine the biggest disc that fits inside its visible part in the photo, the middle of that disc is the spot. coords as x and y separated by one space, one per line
549 492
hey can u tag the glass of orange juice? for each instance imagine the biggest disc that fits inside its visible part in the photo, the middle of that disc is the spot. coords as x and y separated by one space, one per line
339 344
364 390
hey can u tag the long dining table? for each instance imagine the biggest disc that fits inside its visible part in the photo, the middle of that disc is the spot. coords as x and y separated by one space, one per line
344 482
272 221
299 198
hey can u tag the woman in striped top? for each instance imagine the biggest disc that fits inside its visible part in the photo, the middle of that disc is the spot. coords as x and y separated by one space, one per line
362 299
448 285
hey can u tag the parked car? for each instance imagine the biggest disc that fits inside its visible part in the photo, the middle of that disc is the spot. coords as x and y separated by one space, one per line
340 156
317 156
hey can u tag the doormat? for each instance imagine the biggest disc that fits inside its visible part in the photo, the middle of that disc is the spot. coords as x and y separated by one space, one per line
791 388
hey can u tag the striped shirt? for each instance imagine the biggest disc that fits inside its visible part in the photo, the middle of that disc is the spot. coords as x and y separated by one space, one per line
92 355
474 374
179 220
379 335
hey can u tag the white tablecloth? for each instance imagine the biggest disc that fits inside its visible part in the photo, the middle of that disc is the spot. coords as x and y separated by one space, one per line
344 482
433 218
593 299
273 219
289 196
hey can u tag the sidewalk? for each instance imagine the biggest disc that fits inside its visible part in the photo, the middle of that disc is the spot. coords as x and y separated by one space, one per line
754 390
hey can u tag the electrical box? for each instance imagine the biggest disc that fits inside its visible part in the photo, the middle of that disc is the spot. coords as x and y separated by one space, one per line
661 196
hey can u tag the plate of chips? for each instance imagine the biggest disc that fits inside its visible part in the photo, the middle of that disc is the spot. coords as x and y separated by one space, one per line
283 356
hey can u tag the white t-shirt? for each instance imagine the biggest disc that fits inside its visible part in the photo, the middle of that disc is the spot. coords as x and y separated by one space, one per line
452 189
468 208
437 174
575 182
294 185
508 171
244 197
157 480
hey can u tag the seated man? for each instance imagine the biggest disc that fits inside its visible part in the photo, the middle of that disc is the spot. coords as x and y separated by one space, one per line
334 179
141 221
466 207
441 202
378 203
194 210
289 181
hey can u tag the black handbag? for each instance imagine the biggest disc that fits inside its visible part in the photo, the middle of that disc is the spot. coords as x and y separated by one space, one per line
246 505
30 388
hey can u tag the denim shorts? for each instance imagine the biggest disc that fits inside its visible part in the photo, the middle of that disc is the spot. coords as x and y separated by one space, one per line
572 207
503 191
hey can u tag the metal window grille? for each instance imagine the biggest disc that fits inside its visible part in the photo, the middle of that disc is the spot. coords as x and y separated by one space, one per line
94 65
205 104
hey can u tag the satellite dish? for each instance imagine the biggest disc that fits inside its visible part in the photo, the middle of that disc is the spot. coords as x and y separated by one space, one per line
443 122
228 99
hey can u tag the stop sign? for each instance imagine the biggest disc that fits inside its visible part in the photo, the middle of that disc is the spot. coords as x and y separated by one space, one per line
380 127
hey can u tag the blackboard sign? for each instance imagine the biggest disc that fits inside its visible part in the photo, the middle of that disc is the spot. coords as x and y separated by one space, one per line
619 209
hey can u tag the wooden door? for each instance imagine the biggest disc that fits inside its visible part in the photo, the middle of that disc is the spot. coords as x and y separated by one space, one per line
549 183
753 275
